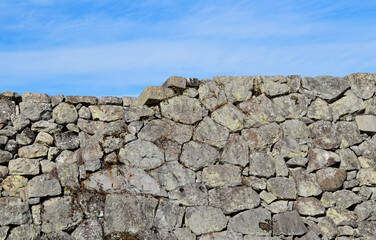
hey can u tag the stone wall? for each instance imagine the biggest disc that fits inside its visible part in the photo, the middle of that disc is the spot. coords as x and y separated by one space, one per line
262 157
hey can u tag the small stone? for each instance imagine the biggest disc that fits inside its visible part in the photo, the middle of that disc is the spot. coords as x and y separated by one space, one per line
197 155
236 88
107 113
183 109
320 110
86 100
271 88
233 199
134 113
324 135
349 161
297 162
204 219
5 156
295 105
267 197
326 87
119 208
3 171
367 177
153 95
229 116
24 166
33 151
8 108
68 174
175 81
283 188
169 215
65 113
191 92
60 214
235 151
328 200
261 165
256 222
288 223
129 101
366 123
211 95
55 100
222 175
190 195
44 138
142 154
341 216
67 141
254 182
330 179
84 113
309 206
13 185
4 232
318 159
277 207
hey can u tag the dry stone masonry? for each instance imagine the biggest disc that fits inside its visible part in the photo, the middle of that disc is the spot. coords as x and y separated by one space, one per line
232 158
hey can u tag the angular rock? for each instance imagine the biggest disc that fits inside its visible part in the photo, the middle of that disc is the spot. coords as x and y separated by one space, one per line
36 111
65 113
4 232
86 100
341 216
68 174
236 88
297 162
349 104
46 126
190 195
88 229
296 129
263 137
20 122
172 175
262 110
153 95
277 207
324 135
222 175
326 87
5 156
60 214
346 198
107 113
110 100
211 95
320 110
235 199
35 97
288 223
306 183
367 229
33 151
24 166
362 84
183 109
256 222
309 206
119 208
13 185
366 123
225 235
134 113
283 188
13 211
175 82
295 105
367 177
349 161
26 231
211 133
236 151
111 144
330 179
169 215
288 147
67 141
197 155
229 116
3 171
166 129
349 133
8 108
205 219
272 88
318 159
44 138
261 165
327 227
90 156
42 186
142 154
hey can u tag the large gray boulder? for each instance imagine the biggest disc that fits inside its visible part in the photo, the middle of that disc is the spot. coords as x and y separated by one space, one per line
205 219
13 211
65 113
255 222
326 87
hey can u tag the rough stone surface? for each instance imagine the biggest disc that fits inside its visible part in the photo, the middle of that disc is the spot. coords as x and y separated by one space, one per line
318 159
288 223
190 195
330 179
261 165
326 87
33 151
204 219
211 95
283 188
255 222
65 113
107 113
229 116
309 206
366 123
211 133
152 95
24 166
236 88
175 81
197 155
221 175
13 211
236 151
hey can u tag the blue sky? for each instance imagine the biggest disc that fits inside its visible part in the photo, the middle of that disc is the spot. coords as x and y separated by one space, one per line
117 48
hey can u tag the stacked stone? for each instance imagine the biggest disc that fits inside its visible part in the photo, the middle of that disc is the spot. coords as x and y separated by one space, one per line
261 157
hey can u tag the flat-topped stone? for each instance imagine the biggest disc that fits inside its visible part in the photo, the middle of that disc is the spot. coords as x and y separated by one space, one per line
153 95
82 99
175 81
366 123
